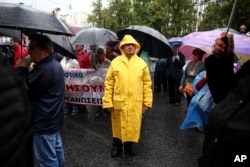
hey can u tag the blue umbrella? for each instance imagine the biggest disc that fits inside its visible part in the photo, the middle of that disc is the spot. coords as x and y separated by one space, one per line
175 41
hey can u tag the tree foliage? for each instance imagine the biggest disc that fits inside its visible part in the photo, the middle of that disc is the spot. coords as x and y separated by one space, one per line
170 17
217 15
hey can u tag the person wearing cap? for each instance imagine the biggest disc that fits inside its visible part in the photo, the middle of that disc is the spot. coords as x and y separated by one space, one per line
174 74
127 95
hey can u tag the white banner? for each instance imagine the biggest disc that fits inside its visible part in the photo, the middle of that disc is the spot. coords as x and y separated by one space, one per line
84 86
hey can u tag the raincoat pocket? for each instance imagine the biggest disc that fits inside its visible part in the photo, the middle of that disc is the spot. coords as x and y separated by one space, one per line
118 102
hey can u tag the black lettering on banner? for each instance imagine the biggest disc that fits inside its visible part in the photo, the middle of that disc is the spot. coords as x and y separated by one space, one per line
83 100
77 74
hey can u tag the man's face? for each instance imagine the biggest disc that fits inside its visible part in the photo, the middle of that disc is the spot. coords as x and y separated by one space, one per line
12 44
100 54
129 49
79 49
175 49
36 53
108 49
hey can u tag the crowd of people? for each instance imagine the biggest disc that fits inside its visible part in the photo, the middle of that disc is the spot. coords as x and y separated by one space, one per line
223 114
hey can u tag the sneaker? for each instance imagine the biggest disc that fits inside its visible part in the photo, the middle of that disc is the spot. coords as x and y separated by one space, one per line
74 111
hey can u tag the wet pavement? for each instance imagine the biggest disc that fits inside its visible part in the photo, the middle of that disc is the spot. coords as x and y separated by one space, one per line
87 140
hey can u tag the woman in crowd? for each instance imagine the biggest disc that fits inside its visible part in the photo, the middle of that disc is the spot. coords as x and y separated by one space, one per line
193 68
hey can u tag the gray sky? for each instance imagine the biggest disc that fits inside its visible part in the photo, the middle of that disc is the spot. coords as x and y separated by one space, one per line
49 5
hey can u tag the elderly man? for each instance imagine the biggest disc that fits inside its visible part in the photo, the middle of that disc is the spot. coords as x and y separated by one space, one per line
128 94
45 87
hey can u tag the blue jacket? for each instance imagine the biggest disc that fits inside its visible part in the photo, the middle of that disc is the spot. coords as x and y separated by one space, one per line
45 87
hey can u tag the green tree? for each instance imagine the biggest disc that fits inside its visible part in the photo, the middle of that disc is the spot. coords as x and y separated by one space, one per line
182 20
170 17
96 17
118 15
217 15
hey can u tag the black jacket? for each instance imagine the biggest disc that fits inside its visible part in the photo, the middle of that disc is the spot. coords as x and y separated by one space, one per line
228 128
174 68
15 120
220 75
45 87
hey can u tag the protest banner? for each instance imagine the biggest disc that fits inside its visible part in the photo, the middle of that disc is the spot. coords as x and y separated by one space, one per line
84 86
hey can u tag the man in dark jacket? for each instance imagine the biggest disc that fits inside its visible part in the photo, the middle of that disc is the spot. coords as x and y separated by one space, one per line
45 87
174 74
228 130
15 119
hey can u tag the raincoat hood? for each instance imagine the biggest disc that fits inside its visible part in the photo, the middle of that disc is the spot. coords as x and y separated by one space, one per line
128 39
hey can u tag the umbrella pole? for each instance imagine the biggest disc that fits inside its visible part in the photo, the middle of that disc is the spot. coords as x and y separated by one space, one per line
225 39
231 15
21 42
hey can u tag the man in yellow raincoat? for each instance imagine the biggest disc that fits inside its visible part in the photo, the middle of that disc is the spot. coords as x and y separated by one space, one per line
128 94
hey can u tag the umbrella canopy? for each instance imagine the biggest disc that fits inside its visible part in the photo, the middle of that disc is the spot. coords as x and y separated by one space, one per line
28 19
75 29
151 40
175 41
61 43
187 50
93 36
10 33
206 39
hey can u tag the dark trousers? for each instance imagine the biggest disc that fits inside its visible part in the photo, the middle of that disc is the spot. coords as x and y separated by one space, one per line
117 143
189 98
173 89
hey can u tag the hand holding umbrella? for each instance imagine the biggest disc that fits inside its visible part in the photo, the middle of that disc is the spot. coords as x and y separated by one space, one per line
220 46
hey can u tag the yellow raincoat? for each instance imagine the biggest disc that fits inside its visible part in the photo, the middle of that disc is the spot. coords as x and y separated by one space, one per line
127 88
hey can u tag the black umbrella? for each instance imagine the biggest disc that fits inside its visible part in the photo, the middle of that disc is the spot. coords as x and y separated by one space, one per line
10 33
61 43
28 19
93 36
151 40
